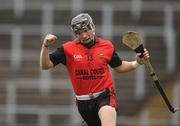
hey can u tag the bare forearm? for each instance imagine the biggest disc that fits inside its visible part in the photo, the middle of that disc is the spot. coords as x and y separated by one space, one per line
45 62
126 66
129 66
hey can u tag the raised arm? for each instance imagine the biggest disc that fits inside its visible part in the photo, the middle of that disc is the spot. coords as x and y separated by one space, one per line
45 62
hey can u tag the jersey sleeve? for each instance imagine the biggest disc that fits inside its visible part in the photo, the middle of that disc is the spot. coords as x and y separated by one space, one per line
115 60
58 56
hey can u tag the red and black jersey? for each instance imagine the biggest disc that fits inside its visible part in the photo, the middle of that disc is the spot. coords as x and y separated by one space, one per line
88 67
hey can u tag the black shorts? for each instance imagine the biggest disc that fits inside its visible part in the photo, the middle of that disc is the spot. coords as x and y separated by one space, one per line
89 108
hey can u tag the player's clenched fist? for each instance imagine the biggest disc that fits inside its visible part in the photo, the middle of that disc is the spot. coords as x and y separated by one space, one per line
49 40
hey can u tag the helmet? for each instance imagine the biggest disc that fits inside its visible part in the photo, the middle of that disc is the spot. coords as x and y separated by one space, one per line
81 21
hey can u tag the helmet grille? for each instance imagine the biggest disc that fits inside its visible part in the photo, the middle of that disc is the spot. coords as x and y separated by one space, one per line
81 21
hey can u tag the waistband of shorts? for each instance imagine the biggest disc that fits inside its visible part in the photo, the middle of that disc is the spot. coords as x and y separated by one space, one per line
89 96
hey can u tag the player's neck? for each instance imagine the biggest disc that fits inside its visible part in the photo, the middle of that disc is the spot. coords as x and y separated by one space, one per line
90 44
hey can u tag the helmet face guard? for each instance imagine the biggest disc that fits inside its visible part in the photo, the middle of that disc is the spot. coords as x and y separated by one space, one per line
80 25
81 21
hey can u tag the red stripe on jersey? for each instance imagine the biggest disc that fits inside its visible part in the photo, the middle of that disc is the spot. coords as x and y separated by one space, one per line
88 68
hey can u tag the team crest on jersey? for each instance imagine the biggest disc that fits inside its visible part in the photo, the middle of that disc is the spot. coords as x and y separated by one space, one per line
101 55
77 57
90 57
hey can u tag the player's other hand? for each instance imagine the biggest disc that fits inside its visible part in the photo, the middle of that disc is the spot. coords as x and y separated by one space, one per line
145 56
49 40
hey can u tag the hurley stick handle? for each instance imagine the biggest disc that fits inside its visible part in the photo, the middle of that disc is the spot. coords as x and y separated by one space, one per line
150 69
157 83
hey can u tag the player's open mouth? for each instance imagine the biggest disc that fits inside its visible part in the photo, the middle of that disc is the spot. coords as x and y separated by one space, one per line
86 40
